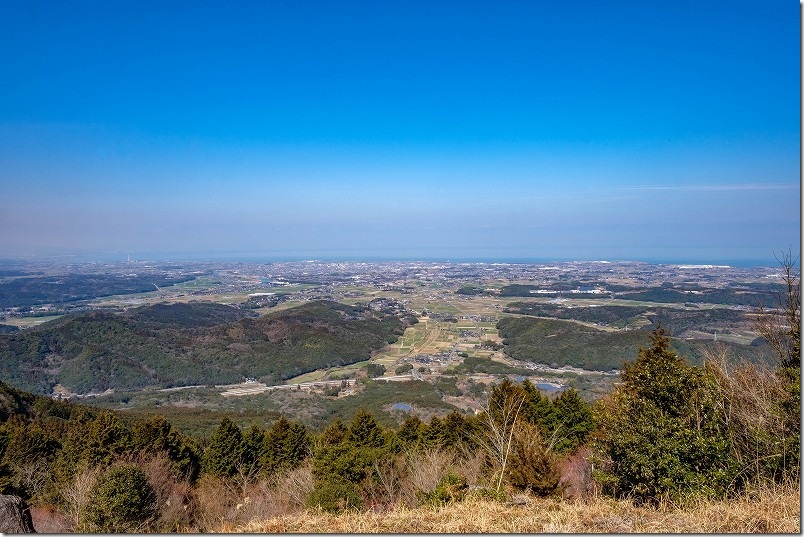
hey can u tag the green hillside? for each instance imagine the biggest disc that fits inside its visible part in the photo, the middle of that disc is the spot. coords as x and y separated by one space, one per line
187 344
559 342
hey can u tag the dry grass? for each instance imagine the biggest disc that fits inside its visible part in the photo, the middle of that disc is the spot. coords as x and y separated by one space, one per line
770 510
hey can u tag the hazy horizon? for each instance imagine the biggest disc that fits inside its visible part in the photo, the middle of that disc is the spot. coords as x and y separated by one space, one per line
772 261
449 130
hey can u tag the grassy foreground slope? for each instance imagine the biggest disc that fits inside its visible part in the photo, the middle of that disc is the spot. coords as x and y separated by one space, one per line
767 510
188 344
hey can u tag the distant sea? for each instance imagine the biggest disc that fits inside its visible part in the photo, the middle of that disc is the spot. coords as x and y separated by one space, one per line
332 258
370 258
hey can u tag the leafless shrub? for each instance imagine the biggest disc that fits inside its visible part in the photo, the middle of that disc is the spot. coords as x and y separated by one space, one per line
749 397
780 324
390 488
295 485
31 475
48 519
500 415
426 469
76 494
471 465
213 502
576 475
173 494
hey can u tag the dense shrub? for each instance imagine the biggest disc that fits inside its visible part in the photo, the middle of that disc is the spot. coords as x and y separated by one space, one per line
122 500
532 465
335 495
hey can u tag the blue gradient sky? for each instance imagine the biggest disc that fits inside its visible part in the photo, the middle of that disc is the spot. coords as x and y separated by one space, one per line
549 130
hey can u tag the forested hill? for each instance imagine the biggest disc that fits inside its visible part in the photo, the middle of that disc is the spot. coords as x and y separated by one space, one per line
188 344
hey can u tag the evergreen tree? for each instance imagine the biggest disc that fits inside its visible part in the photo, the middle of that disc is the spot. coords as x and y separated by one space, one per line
364 430
410 432
251 452
460 432
156 435
223 454
432 436
570 421
106 439
533 465
661 433
537 408
334 433
285 446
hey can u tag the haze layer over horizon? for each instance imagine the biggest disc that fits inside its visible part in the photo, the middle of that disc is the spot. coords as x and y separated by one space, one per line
464 130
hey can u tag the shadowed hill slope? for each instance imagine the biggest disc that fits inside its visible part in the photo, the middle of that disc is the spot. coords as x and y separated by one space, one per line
186 344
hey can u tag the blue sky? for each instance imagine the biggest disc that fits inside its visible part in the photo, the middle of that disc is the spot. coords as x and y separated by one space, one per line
464 130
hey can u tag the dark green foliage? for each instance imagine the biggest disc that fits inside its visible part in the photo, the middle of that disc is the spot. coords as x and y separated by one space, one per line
410 432
345 460
402 369
519 290
187 315
223 454
570 422
612 315
447 386
285 446
121 501
557 342
752 295
334 433
537 409
156 435
470 290
450 489
375 370
32 290
251 451
14 401
98 351
417 393
460 432
107 438
661 430
564 423
29 451
553 341
335 496
433 435
365 431
475 364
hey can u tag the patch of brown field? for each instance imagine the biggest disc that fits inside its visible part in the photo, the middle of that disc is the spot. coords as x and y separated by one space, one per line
775 510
